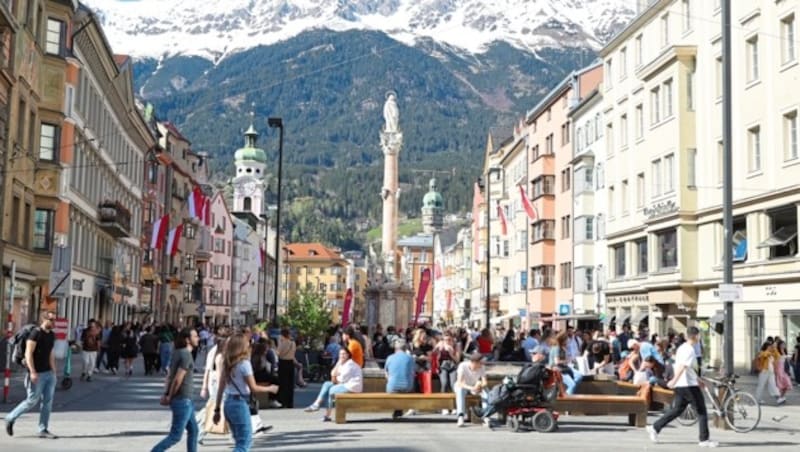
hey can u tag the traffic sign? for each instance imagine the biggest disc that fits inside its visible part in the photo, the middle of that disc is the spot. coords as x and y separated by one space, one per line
61 325
731 292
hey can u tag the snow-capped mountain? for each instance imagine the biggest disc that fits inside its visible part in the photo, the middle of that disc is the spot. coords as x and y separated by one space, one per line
213 29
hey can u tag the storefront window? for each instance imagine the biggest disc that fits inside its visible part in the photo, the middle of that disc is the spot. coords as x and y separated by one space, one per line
791 328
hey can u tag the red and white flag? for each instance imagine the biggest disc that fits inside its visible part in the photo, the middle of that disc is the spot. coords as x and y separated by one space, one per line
477 200
438 258
196 203
501 213
159 231
207 212
174 239
526 204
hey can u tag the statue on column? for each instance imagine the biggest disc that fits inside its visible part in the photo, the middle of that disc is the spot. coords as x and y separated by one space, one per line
391 114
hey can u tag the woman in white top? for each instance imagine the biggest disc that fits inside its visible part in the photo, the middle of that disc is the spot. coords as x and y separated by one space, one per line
470 377
345 377
237 383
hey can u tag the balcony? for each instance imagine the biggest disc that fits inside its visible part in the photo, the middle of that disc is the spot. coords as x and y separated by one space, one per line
203 251
114 218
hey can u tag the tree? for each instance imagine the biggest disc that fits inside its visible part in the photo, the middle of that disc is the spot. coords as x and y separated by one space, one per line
307 314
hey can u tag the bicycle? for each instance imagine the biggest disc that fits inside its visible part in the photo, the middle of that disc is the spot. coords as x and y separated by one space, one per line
741 410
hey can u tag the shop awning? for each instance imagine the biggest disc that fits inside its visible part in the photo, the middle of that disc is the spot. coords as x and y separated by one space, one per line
718 317
624 318
640 317
780 237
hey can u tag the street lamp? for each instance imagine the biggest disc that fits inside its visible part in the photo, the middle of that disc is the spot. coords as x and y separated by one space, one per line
273 123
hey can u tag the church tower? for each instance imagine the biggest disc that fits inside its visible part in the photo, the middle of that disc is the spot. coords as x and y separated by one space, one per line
432 210
248 183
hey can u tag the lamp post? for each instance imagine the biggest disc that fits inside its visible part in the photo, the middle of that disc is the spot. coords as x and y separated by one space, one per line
277 123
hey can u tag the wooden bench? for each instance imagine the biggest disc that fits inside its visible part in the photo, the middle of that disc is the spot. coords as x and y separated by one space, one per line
381 402
657 393
635 406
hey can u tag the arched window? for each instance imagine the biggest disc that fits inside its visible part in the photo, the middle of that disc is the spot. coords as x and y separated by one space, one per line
248 203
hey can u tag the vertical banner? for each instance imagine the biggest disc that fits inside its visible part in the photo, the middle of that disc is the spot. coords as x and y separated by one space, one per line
424 282
348 301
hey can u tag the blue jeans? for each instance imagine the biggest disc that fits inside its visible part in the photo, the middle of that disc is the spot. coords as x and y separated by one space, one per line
237 413
43 389
461 399
571 382
182 418
328 391
165 351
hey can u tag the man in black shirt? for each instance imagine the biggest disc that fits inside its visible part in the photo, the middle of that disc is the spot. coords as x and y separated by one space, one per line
41 379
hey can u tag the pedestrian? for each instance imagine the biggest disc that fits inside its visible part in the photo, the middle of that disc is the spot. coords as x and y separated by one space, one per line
165 347
345 377
765 365
102 358
237 384
470 377
130 350
686 385
782 369
286 380
148 344
114 348
211 373
40 381
178 393
399 370
90 344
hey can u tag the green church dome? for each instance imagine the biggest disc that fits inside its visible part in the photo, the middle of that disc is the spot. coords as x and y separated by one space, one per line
250 152
433 199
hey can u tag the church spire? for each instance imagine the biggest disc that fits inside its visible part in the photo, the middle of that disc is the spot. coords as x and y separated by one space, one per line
251 136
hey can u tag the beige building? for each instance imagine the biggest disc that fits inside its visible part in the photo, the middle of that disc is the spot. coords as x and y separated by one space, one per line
317 268
649 113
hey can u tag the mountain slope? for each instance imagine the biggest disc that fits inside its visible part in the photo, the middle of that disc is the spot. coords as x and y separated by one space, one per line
214 29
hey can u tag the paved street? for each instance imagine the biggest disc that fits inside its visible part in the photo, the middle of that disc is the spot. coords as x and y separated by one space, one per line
113 413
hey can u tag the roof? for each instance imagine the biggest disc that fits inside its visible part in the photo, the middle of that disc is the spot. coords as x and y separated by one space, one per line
173 129
416 241
305 251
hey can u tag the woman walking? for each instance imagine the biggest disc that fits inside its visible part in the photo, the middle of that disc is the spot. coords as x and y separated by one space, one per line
178 393
236 384
286 380
130 350
782 378
765 364
345 377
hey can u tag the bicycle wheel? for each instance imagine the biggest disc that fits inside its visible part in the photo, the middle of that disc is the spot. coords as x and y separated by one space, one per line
689 417
742 412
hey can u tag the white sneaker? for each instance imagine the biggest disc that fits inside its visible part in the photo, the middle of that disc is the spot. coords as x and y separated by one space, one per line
411 412
460 421
311 408
653 433
781 400
708 443
445 412
487 422
275 404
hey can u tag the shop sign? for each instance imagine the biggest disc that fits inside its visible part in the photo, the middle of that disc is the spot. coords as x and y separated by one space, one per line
659 209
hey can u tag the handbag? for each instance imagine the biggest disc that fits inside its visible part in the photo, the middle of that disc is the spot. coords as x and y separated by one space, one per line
220 428
252 402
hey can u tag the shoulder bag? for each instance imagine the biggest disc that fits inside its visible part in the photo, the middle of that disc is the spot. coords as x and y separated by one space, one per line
252 402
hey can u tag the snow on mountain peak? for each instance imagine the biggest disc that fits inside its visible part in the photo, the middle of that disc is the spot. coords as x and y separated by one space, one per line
213 29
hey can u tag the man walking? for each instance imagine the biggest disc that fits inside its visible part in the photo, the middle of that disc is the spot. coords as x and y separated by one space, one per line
687 391
90 344
40 381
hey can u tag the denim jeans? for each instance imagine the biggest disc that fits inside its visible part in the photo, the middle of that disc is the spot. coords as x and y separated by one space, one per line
43 390
461 399
572 382
328 391
237 413
182 418
165 350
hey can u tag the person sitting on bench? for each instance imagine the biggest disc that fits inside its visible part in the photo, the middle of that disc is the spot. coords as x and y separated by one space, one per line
345 377
399 369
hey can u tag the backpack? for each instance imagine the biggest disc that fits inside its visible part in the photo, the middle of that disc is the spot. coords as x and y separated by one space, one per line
19 341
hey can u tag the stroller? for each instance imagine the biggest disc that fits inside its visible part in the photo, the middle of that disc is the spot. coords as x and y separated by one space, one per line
525 403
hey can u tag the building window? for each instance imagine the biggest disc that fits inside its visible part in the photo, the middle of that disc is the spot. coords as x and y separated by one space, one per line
565 226
619 260
718 69
584 228
189 231
739 250
543 230
639 121
521 240
566 181
790 135
752 58
641 256
48 142
640 190
584 180
584 279
565 133
248 204
506 285
667 93
219 245
754 148
611 205
506 248
690 81
566 275
54 44
522 281
43 230
610 138
188 262
543 185
669 173
665 30
624 194
686 13
787 39
623 131
782 241
667 249
608 75
656 177
549 143
623 63
639 56
655 105
691 174
543 276
218 271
